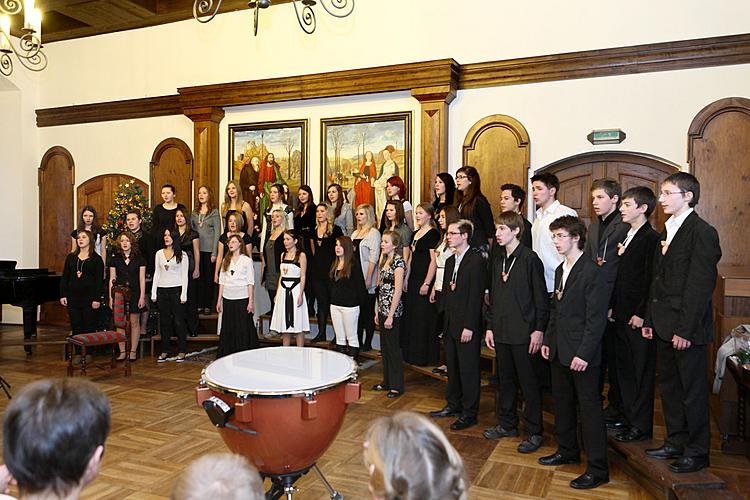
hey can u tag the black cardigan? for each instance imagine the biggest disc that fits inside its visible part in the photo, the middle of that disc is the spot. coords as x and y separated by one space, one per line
81 292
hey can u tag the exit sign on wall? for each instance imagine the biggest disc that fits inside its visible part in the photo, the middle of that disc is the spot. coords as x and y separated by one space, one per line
607 136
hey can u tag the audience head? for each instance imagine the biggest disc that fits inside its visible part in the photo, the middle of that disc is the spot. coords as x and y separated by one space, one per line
409 458
683 188
544 188
637 201
444 184
53 436
219 476
605 196
512 197
508 225
568 231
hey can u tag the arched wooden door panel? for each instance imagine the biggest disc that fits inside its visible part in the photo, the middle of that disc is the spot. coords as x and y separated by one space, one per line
498 147
577 173
172 163
719 156
100 191
55 179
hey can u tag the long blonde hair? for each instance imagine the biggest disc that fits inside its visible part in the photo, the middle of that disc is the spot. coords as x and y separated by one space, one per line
228 201
370 213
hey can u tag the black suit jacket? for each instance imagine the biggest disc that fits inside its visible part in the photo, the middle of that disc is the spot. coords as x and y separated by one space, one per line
578 319
683 282
526 236
462 307
520 305
613 234
634 272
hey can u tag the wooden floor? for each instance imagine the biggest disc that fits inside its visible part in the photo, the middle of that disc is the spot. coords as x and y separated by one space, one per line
157 430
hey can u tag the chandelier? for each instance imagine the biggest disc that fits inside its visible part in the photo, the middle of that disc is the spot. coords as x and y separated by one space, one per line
205 10
29 51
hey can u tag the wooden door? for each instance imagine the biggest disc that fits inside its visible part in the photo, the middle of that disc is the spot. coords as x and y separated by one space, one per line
498 147
172 163
576 174
55 179
100 191
719 156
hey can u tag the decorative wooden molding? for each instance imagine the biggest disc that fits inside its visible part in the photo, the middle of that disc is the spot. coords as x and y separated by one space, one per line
664 56
51 153
206 163
705 115
148 107
161 148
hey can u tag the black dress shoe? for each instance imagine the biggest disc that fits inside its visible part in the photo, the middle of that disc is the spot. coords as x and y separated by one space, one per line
665 452
462 423
448 411
689 464
530 444
498 432
558 459
587 481
632 435
616 425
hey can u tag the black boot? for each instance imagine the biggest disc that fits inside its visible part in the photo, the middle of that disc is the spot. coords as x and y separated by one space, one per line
341 348
354 352
367 344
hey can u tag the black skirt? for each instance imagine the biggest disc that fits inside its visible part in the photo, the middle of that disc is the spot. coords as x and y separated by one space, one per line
238 331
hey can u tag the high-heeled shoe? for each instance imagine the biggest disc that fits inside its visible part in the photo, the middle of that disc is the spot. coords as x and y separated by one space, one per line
122 356
133 356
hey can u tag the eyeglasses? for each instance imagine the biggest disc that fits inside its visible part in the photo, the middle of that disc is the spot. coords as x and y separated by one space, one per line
560 236
462 176
667 193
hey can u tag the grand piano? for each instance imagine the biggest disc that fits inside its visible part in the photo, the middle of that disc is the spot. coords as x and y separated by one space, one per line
27 289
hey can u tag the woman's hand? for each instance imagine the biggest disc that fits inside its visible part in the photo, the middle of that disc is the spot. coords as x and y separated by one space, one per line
213 259
196 273
95 304
218 305
64 301
424 289
250 307
433 299
141 302
388 323
299 299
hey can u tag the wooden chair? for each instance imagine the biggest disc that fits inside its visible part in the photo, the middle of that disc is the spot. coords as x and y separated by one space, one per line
119 333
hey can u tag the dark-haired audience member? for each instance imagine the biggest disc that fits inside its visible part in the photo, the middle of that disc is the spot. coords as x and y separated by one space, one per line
322 254
445 192
88 221
53 438
604 232
134 223
404 450
512 199
207 223
170 291
573 345
219 476
544 188
681 323
190 244
236 299
162 215
366 241
636 356
420 343
474 207
347 287
128 267
462 301
337 203
516 320
81 284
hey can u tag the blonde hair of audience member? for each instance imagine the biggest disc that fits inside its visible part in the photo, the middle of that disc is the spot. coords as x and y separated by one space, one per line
219 476
409 458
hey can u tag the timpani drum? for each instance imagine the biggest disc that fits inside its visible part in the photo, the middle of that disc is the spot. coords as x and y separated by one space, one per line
280 407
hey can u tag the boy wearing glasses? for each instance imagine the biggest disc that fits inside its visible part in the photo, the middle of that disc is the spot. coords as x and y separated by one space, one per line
573 345
680 321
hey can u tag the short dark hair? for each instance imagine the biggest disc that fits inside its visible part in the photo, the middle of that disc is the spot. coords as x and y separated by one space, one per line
511 219
549 180
464 227
574 227
609 186
642 195
170 186
51 430
134 211
686 182
516 192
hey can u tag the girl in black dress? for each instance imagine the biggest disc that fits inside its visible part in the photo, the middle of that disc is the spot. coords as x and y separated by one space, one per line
89 221
234 226
163 214
322 253
235 303
81 284
128 267
304 214
190 244
473 206
445 191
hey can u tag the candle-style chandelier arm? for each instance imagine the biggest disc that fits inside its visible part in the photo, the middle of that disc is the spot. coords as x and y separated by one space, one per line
10 7
305 17
29 53
338 8
203 10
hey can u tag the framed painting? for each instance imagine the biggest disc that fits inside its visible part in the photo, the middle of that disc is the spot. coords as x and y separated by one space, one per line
264 154
362 152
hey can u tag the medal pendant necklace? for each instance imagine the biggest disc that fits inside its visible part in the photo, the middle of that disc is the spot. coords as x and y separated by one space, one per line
504 274
79 268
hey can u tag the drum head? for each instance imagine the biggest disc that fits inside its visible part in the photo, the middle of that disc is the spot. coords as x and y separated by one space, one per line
277 371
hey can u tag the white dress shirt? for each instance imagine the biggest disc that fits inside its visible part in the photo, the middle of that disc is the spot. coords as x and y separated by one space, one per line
542 239
673 224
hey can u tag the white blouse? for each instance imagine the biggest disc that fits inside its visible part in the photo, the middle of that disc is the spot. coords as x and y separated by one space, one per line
236 278
442 254
170 273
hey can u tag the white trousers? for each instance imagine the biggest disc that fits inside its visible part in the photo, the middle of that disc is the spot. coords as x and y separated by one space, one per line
344 321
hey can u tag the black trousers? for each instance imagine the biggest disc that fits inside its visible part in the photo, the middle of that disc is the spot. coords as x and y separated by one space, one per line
191 307
609 371
571 389
464 379
171 318
82 319
393 364
636 370
684 397
322 295
366 322
206 289
517 370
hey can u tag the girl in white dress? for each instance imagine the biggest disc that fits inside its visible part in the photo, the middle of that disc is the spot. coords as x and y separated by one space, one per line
290 316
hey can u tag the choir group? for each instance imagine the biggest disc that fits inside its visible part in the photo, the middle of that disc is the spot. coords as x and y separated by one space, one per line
563 306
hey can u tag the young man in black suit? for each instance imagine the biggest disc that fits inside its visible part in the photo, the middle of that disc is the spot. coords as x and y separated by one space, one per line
636 356
516 319
604 233
512 198
573 344
462 301
680 320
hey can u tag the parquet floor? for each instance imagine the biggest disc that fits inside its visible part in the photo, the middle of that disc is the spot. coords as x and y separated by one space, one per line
158 429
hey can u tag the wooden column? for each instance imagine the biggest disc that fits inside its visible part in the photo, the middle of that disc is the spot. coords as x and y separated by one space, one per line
206 147
434 117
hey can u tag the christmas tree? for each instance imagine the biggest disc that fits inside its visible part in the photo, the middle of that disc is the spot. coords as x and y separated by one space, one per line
129 196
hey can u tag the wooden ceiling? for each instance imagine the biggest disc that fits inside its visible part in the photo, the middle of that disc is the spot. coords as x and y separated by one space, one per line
69 19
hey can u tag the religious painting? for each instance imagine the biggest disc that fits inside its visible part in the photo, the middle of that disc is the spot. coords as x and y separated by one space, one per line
362 152
264 154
